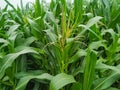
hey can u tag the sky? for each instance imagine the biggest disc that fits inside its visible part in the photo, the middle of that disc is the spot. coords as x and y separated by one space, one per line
16 2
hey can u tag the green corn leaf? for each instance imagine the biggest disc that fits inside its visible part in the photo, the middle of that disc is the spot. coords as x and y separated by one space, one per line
68 35
33 24
112 88
12 29
29 40
97 44
89 70
100 65
52 18
60 81
76 86
25 79
3 40
93 21
104 83
90 30
10 5
35 28
38 9
52 36
108 81
77 55
111 31
78 8
9 59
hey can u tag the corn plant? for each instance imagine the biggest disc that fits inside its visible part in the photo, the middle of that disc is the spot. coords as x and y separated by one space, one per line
61 45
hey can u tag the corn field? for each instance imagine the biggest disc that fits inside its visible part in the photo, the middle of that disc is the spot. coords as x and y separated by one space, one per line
61 45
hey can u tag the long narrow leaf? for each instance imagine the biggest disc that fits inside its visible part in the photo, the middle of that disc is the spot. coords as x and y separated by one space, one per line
25 79
9 59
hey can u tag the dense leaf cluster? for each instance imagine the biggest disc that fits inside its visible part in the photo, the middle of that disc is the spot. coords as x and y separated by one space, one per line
60 45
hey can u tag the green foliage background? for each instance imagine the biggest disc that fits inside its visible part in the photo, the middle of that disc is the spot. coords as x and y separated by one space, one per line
60 45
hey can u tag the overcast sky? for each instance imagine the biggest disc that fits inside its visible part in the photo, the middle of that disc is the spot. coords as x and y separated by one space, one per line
16 2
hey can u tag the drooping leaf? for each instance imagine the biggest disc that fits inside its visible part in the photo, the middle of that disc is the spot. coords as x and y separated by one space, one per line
3 40
97 44
104 83
25 79
29 40
9 59
93 21
100 65
12 29
77 55
60 81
